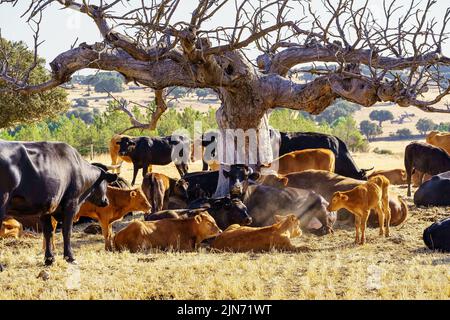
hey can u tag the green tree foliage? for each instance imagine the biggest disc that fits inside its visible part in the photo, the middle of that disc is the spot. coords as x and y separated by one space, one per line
178 92
109 85
81 103
403 133
370 129
424 125
17 108
340 109
347 130
381 116
443 126
202 93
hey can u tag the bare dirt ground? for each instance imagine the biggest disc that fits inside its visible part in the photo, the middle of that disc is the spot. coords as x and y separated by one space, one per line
329 267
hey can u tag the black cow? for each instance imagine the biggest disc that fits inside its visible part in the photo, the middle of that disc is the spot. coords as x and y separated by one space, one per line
264 202
120 183
145 151
434 192
225 211
437 236
206 181
425 158
345 165
49 179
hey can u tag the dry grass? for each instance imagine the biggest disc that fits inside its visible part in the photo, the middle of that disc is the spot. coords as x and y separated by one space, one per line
330 267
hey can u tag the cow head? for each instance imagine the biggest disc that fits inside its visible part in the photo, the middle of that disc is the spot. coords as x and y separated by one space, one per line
181 189
206 226
238 177
227 211
126 146
363 173
323 220
138 201
98 195
338 201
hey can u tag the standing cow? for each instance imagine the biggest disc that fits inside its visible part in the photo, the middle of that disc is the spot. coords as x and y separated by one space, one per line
49 179
145 151
425 158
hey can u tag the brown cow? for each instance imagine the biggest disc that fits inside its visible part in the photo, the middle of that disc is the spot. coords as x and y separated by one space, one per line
116 159
161 190
439 139
276 236
419 177
301 160
180 234
395 176
360 201
120 203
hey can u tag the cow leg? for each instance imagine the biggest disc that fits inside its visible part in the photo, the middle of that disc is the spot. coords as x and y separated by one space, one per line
381 215
363 226
180 169
3 207
135 172
388 219
205 166
106 231
47 230
69 212
357 225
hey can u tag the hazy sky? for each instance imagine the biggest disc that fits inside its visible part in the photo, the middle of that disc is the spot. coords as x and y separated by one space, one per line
60 28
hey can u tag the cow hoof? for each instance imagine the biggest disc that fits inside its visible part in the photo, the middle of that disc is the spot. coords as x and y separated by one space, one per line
49 261
1 268
71 260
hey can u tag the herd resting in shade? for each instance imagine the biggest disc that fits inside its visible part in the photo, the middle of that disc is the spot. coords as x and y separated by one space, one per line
314 186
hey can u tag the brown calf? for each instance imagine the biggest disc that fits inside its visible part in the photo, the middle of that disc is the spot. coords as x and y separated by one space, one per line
360 201
120 203
383 183
301 160
159 188
276 236
395 176
11 228
180 234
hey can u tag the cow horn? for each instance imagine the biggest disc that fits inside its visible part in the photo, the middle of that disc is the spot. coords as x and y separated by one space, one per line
365 170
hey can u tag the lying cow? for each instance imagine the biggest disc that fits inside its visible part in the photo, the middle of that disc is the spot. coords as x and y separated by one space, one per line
120 203
439 139
437 236
395 176
301 160
145 151
345 165
158 188
238 180
425 158
434 192
359 201
326 183
179 234
49 179
265 202
277 236
225 211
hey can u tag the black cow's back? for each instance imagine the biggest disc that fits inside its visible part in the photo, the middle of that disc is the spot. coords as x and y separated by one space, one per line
434 192
437 236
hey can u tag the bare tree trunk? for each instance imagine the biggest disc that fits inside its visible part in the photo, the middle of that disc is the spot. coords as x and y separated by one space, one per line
233 120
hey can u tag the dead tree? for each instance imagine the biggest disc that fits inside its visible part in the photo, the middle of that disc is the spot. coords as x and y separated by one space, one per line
353 54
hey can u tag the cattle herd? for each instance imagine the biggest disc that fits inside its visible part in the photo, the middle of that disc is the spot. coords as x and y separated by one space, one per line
314 186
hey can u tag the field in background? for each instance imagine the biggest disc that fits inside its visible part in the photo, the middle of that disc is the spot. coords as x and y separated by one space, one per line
329 267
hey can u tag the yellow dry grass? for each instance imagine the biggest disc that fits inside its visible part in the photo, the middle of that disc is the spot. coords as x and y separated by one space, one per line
329 267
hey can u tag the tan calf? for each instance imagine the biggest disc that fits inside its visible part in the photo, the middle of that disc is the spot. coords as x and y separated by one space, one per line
276 236
11 228
360 201
383 183
120 203
180 234
395 176
301 160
